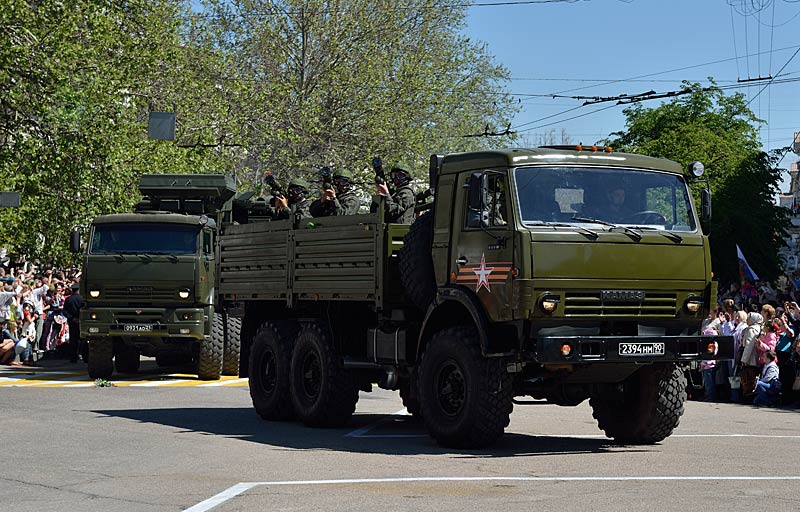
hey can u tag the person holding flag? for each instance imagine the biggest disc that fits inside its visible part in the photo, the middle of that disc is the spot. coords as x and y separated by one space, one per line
747 277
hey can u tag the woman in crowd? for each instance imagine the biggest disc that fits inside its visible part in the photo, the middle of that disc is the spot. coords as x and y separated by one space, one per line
749 360
768 339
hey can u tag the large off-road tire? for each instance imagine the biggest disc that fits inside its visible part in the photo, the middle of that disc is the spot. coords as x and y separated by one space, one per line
409 393
647 408
101 355
209 362
324 394
466 398
126 359
416 264
269 367
233 345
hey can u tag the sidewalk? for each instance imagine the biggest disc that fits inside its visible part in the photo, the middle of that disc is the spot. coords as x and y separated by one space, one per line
46 365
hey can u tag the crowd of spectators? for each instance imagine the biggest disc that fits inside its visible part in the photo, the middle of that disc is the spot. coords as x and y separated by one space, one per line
36 307
764 320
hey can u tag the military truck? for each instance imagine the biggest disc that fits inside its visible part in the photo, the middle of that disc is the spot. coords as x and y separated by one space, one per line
526 280
149 280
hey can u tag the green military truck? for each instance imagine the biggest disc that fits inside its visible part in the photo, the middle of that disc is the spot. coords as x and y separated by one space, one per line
149 280
527 280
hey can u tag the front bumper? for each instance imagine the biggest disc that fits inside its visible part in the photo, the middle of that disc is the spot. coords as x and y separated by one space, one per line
618 349
144 323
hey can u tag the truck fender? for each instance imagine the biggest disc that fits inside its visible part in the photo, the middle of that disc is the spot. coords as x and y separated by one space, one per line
453 305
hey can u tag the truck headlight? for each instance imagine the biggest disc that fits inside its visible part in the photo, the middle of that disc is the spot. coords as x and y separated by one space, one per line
94 293
549 302
693 304
184 293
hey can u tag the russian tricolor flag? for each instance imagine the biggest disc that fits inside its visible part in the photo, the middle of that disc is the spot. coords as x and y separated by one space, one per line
744 268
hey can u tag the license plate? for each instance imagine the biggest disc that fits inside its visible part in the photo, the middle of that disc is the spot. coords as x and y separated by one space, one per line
641 349
137 327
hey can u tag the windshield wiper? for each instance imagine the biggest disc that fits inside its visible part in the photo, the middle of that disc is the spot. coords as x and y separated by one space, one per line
586 231
119 257
675 237
145 257
630 232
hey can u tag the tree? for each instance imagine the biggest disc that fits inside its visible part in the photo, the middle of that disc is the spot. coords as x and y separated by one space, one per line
77 79
337 82
283 86
720 131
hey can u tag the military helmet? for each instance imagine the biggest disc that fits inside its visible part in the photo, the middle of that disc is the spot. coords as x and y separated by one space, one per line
299 182
400 174
344 173
401 167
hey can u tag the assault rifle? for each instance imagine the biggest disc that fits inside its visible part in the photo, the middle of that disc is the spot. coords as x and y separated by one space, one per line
377 166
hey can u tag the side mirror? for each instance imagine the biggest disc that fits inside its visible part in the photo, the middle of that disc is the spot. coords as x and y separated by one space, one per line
75 241
705 209
434 165
478 186
478 191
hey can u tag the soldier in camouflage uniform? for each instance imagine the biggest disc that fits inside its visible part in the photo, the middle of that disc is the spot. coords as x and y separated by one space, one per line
295 205
339 200
400 205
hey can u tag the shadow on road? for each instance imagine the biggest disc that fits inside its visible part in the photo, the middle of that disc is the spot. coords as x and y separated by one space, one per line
385 434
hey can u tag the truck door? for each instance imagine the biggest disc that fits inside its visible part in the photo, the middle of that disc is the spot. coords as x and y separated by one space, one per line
207 267
482 254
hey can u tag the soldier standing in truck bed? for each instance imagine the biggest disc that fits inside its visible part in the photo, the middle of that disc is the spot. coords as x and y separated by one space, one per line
400 205
339 200
294 205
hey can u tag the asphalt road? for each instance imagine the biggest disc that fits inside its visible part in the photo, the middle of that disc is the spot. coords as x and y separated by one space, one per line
174 448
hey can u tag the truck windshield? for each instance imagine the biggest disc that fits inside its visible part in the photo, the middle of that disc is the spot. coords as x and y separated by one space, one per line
580 195
146 238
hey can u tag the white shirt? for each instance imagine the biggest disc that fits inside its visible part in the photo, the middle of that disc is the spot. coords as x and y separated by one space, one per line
37 297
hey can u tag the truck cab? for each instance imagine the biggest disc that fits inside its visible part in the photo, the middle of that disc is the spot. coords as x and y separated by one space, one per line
150 280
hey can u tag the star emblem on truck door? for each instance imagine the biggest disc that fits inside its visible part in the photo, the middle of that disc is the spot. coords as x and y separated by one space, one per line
483 273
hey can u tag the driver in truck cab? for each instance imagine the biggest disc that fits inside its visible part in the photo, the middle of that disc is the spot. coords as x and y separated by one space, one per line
611 207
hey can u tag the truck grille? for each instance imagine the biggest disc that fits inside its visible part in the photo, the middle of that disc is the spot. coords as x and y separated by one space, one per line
140 293
590 304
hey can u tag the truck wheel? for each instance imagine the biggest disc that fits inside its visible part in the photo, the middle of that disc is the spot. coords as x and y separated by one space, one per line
233 343
324 394
209 363
415 263
101 355
409 393
127 359
647 409
466 398
270 361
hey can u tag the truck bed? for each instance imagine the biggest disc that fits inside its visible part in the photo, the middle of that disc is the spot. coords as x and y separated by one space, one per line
330 258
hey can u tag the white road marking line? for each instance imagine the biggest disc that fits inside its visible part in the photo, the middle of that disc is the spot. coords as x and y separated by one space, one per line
48 382
242 487
359 432
222 383
222 497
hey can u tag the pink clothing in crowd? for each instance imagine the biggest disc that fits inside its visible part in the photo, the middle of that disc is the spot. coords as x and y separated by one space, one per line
765 343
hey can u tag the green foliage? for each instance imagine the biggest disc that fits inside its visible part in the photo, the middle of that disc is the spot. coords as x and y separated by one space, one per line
338 82
721 132
280 86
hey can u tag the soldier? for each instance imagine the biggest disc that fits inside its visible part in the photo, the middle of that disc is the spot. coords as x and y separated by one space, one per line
294 205
400 205
338 200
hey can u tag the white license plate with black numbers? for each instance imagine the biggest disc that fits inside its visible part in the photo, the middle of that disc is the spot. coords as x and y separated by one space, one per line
641 349
137 327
